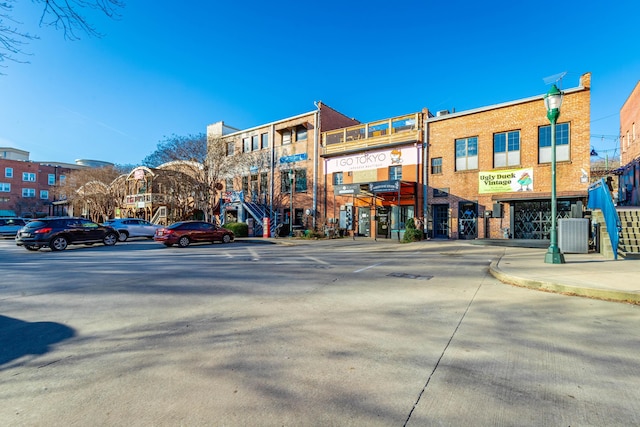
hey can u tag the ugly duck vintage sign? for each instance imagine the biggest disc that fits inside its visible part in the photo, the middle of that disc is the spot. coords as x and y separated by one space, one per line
506 180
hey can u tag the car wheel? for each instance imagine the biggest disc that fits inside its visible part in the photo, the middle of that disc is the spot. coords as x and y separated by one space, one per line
59 243
226 238
123 236
31 248
110 239
184 242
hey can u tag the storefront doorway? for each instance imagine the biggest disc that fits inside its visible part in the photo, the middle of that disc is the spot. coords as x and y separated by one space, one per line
468 220
441 221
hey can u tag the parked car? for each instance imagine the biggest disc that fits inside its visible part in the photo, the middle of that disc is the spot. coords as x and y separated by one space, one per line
9 226
132 227
184 233
58 233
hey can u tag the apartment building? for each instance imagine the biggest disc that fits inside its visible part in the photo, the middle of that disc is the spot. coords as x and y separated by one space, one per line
27 187
629 180
275 171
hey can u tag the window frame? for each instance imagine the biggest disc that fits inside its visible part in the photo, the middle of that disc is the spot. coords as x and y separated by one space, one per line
395 173
563 143
338 178
5 187
44 194
464 160
28 193
436 167
26 176
8 172
508 155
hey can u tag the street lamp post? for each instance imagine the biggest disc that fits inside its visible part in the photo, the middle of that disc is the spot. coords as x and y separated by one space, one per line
292 175
553 101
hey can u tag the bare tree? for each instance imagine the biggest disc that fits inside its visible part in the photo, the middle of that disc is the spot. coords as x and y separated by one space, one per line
92 191
65 15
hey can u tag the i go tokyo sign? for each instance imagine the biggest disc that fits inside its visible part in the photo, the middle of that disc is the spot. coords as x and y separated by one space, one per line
373 160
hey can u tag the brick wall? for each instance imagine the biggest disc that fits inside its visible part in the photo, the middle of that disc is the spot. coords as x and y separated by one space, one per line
630 119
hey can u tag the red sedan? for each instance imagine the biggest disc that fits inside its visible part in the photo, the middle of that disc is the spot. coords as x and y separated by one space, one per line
184 233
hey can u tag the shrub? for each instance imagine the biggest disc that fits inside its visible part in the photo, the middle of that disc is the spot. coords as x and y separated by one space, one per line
411 233
240 229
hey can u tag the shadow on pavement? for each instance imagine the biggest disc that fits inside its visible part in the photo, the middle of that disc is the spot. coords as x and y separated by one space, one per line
19 338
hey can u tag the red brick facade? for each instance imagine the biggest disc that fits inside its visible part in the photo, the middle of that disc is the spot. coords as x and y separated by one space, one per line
26 189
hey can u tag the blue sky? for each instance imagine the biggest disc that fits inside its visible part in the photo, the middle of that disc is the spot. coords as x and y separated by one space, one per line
163 69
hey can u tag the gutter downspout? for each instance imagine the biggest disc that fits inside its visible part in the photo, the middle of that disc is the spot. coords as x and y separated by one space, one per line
316 135
425 173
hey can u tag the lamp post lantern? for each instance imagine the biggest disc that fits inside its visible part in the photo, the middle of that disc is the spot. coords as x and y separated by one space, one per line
292 175
553 101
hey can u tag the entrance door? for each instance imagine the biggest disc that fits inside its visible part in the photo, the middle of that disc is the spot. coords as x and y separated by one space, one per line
383 222
468 220
364 221
441 221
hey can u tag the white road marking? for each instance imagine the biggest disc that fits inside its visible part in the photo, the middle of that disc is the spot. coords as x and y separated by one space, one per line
367 268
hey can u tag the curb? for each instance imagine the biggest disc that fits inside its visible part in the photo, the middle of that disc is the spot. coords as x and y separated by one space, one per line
559 288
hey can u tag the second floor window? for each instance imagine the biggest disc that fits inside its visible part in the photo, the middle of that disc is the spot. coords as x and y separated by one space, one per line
338 178
8 172
562 143
255 142
228 184
5 187
301 133
51 179
44 194
395 173
246 145
286 137
28 192
467 153
231 148
506 149
28 176
264 140
436 165
62 179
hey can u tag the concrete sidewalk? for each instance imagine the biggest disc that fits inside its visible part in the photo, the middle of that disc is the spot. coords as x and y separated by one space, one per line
588 275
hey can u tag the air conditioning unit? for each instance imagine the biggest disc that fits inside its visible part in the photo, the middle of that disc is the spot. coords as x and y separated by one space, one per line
442 113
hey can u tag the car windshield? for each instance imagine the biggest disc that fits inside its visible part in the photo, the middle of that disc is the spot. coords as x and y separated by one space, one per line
175 225
36 224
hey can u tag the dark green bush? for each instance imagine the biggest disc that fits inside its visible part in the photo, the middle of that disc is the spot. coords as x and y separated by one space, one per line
240 229
411 233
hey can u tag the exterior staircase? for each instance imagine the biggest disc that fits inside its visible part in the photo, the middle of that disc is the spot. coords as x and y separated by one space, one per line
629 233
629 244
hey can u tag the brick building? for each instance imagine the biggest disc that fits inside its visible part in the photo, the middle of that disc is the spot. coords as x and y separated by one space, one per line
482 173
629 181
268 158
27 187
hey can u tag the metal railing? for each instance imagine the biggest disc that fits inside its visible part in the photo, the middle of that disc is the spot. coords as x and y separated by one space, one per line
381 132
600 198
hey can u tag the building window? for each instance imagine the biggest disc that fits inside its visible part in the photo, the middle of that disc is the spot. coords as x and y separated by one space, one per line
28 192
44 194
265 140
5 187
301 133
51 179
246 145
338 178
8 172
301 180
506 149
286 137
228 184
467 153
395 173
62 179
284 182
231 148
245 184
264 183
255 142
28 176
436 165
562 143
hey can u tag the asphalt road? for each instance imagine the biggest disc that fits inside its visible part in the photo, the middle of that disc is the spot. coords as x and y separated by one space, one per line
343 333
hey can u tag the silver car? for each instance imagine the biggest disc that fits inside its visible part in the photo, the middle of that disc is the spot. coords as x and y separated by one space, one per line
9 226
132 227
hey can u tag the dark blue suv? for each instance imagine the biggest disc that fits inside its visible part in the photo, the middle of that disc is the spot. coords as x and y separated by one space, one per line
58 233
